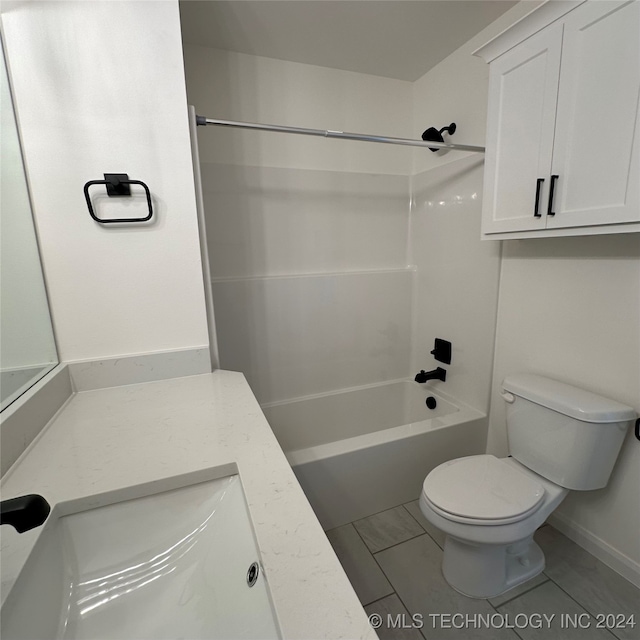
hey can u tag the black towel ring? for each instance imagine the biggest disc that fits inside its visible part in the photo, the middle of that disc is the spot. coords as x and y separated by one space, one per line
117 185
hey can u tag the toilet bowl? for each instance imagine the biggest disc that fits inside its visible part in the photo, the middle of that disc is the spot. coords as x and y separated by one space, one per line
489 508
561 438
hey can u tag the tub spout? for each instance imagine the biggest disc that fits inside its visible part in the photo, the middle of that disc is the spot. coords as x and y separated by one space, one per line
436 374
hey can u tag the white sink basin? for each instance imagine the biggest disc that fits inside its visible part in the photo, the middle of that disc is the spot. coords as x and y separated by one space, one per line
169 565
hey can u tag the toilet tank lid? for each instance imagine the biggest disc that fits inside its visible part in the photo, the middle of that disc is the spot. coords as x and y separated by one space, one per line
566 399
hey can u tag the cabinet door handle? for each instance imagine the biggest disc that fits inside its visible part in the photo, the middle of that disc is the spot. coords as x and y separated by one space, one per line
552 188
536 210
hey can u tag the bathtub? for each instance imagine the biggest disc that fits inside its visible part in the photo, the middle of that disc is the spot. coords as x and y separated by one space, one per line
360 451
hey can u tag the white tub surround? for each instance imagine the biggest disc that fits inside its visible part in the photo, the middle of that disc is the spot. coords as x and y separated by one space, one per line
112 439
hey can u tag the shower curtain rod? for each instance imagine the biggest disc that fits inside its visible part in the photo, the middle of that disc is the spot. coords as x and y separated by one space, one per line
202 121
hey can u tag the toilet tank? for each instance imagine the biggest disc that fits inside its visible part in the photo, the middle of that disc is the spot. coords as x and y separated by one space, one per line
565 434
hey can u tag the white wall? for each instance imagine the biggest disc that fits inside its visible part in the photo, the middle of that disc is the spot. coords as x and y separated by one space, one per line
307 237
570 309
99 88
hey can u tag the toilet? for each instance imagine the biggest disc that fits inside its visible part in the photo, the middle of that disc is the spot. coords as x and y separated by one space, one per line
561 438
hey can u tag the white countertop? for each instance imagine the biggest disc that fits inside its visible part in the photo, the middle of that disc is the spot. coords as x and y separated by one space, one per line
110 439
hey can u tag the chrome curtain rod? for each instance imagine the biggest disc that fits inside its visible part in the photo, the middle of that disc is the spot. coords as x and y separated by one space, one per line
324 133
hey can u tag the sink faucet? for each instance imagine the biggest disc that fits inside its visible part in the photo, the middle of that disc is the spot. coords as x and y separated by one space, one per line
436 374
25 512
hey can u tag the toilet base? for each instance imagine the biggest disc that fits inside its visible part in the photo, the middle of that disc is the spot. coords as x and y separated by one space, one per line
485 571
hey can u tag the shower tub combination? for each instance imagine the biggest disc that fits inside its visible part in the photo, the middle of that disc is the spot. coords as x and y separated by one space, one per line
363 450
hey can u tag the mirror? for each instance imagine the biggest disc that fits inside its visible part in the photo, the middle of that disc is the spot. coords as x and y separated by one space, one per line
27 346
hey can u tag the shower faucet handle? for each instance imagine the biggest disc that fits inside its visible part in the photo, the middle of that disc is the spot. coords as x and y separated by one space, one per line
442 351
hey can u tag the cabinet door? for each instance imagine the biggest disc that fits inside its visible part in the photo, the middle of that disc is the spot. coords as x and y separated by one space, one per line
523 88
597 132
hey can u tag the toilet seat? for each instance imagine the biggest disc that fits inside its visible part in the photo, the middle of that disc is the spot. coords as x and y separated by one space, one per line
482 490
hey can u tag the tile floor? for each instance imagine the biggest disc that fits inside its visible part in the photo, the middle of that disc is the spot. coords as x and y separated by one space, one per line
393 560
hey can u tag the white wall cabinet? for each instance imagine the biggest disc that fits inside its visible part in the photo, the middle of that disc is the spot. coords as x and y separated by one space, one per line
563 131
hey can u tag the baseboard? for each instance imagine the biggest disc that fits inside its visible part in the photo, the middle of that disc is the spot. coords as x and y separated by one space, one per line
147 367
625 566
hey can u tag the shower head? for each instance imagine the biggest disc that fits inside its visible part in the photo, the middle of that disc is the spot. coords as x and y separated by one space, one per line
433 135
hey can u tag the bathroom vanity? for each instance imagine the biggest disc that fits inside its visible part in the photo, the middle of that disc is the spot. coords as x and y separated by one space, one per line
121 443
